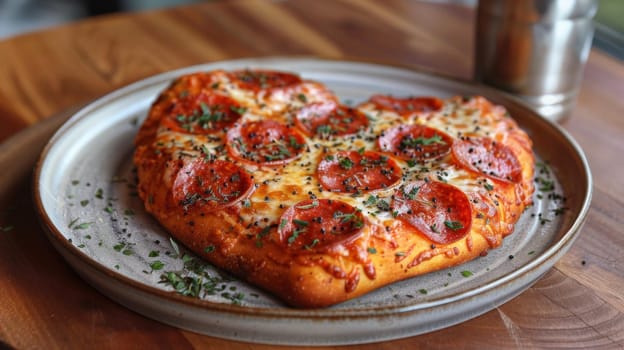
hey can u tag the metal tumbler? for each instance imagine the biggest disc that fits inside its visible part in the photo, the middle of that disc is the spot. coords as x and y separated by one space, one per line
535 49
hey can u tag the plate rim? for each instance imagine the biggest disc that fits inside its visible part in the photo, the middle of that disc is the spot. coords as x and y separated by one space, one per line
553 252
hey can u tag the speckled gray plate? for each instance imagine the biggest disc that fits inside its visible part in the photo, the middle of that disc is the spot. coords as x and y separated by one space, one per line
84 190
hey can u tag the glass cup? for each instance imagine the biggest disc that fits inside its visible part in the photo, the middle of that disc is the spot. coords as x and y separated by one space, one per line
535 49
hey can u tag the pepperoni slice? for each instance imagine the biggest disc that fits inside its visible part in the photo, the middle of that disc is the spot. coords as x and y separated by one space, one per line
408 105
202 114
354 172
330 119
485 156
265 142
263 79
415 142
439 211
317 224
211 184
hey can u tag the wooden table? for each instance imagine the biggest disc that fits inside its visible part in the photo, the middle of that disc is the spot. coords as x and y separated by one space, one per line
44 304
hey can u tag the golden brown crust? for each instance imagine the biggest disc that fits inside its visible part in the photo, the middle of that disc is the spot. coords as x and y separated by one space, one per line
384 250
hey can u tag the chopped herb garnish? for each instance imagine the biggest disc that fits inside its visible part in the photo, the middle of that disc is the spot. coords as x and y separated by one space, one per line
345 163
84 203
411 142
157 265
412 193
209 249
153 254
190 199
118 247
186 285
543 168
239 110
383 205
312 245
277 151
371 250
207 155
300 222
236 299
265 232
466 273
99 193
453 225
292 141
422 291
324 130
71 223
545 185
371 200
314 204
82 226
294 236
346 217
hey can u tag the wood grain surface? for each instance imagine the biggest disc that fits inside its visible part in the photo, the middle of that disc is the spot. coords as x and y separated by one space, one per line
45 305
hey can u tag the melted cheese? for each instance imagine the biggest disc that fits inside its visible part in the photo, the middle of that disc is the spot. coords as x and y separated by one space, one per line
278 188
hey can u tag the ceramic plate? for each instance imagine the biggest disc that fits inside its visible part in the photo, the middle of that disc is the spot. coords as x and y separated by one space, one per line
85 193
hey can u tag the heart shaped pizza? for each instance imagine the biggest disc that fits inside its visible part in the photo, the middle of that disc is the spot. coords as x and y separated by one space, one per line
272 178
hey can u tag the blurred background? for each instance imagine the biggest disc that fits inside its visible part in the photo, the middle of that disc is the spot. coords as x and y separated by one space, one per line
22 16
